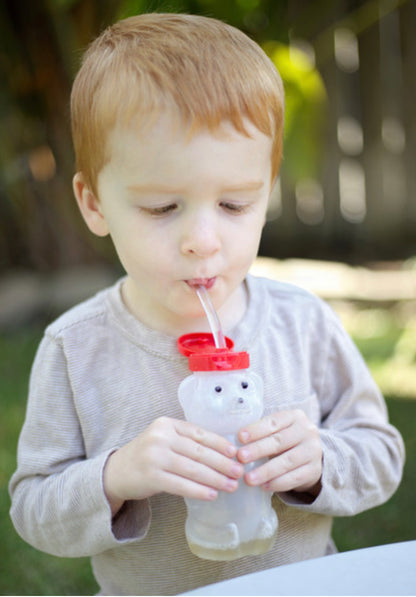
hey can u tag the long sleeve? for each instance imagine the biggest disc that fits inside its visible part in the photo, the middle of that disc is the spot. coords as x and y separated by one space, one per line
58 501
363 454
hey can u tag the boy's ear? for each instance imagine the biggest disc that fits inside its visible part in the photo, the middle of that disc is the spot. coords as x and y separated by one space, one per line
89 206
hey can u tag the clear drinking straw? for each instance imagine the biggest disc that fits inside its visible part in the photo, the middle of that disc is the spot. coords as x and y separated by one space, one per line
214 322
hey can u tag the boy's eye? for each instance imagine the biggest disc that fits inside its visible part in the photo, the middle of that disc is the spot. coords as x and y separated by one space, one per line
233 208
161 211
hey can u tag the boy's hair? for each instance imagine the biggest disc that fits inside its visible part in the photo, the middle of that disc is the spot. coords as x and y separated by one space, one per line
194 67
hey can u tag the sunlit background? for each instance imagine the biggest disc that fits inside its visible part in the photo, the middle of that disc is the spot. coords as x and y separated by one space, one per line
341 222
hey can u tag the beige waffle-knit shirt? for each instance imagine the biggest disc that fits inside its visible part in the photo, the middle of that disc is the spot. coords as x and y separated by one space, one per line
100 377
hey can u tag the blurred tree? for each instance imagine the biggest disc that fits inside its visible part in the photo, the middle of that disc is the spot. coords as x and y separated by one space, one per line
40 40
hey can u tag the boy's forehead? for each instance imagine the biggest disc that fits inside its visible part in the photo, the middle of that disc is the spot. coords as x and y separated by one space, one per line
164 159
171 128
172 155
167 144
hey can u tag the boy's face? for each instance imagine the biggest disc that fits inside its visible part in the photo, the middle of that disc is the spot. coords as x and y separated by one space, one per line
183 212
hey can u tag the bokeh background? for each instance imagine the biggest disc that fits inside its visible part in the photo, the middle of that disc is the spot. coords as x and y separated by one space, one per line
342 219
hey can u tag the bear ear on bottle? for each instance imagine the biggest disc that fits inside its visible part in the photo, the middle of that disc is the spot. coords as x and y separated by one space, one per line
222 395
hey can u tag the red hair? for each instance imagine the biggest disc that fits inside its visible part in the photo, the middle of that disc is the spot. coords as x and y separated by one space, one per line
197 68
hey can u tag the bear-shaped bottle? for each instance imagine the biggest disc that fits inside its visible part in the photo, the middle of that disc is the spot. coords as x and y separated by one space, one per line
223 395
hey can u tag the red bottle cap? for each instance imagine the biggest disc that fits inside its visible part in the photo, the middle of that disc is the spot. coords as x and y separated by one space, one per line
204 356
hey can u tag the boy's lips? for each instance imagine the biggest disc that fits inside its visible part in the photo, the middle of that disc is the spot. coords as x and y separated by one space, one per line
195 282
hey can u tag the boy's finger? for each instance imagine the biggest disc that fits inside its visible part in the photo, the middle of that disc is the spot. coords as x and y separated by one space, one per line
206 438
292 464
272 445
267 426
300 430
199 473
204 455
291 480
306 478
177 485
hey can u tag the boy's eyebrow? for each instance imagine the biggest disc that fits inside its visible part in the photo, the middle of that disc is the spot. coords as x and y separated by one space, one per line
153 188
251 185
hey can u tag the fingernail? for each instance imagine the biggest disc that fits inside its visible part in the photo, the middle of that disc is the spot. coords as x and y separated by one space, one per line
244 455
237 470
231 485
252 477
244 436
231 451
212 494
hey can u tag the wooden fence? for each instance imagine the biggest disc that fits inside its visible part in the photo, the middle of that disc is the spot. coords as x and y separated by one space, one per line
362 206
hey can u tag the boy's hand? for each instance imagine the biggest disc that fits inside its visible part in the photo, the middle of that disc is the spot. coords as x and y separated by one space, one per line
175 457
292 444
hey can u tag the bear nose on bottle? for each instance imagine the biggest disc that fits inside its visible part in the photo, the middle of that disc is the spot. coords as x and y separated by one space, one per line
240 400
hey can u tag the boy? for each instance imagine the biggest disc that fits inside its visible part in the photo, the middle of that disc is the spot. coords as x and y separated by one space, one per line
177 126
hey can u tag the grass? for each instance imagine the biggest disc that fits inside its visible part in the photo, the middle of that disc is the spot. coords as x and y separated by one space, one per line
24 570
385 344
395 520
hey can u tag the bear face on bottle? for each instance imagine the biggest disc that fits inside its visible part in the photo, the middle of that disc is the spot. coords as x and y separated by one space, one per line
222 401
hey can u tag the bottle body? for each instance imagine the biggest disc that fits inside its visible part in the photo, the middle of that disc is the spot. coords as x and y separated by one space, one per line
234 525
239 523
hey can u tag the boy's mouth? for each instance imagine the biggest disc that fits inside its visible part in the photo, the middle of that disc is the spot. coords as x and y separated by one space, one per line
195 282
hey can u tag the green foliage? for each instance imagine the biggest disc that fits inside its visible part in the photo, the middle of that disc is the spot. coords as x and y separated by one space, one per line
261 19
128 8
387 341
305 99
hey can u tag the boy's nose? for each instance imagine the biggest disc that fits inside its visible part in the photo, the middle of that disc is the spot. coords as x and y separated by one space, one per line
201 239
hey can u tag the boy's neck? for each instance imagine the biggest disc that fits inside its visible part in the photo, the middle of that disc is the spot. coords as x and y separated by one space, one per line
229 314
